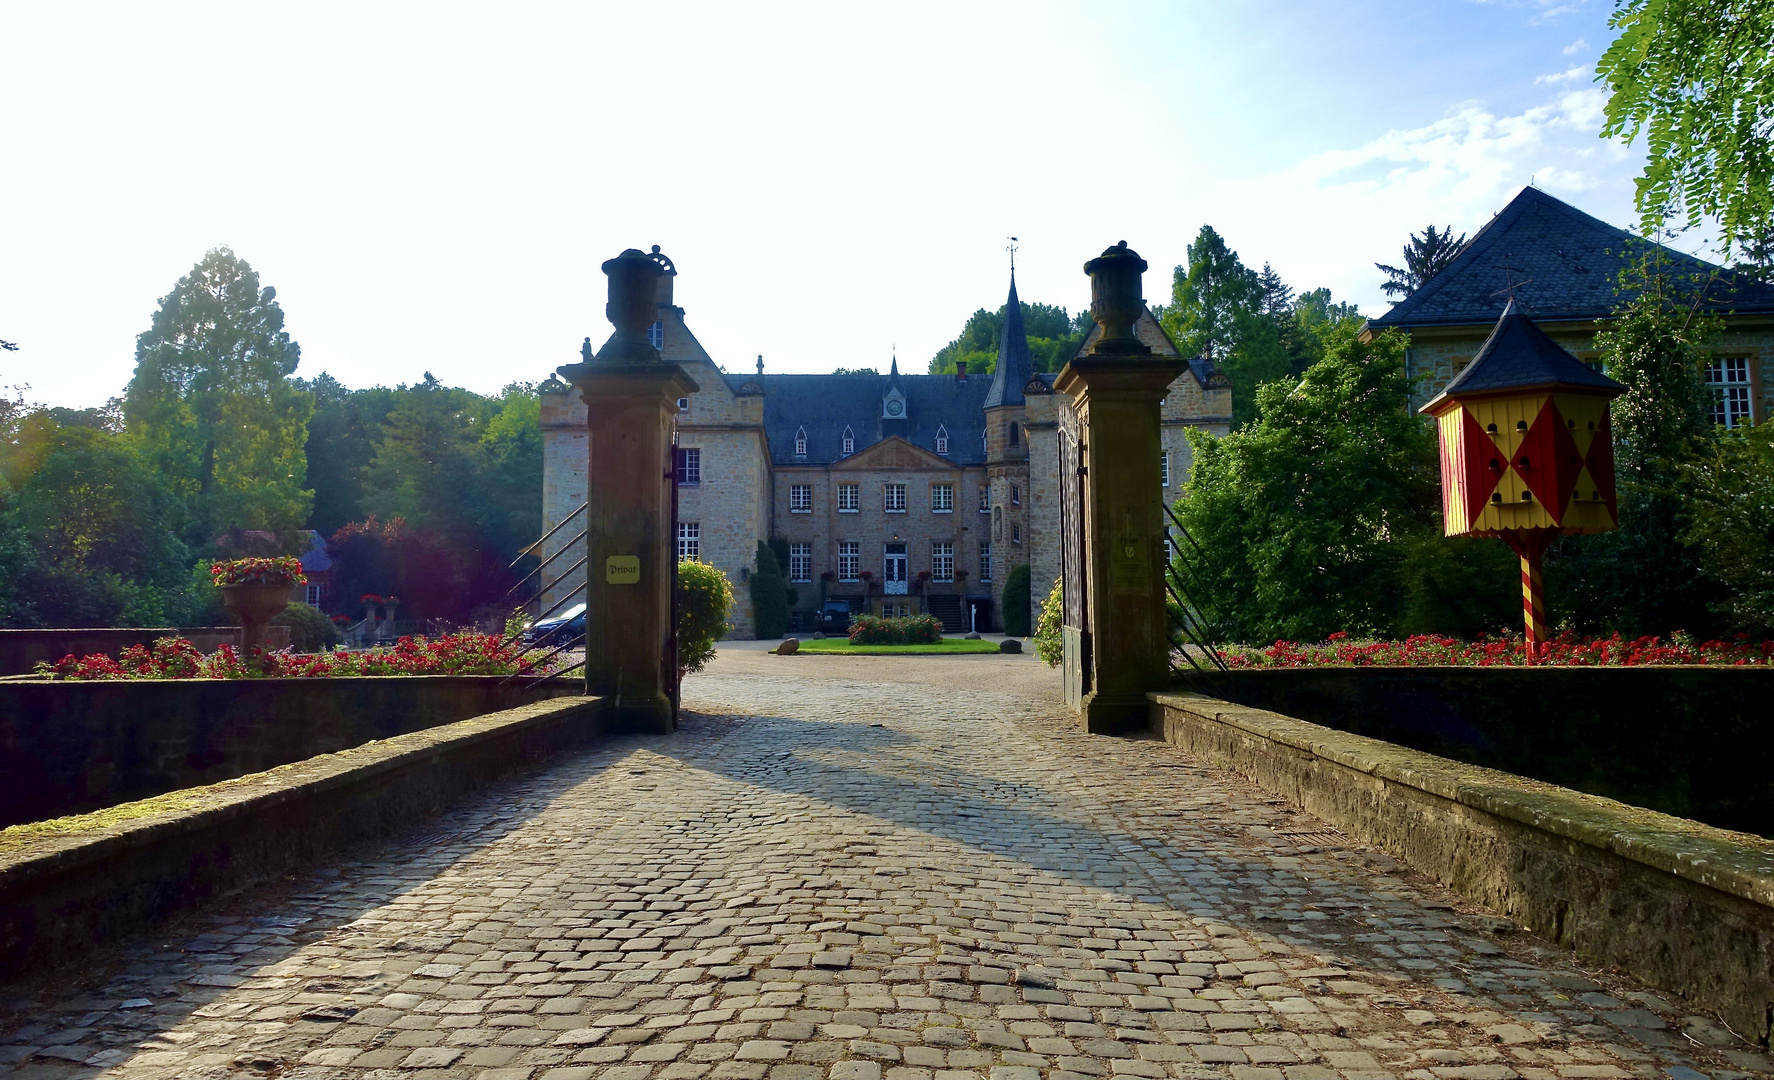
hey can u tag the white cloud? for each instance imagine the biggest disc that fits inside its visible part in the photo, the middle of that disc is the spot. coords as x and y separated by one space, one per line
1348 208
1576 47
1563 76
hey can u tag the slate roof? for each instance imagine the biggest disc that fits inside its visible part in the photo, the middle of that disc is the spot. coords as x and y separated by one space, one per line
1519 355
826 404
1564 263
1014 366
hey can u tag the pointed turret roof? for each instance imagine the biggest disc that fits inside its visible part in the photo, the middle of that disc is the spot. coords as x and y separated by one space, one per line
1014 365
1520 356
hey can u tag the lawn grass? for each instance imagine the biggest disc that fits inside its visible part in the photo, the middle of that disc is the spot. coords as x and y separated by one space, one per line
842 647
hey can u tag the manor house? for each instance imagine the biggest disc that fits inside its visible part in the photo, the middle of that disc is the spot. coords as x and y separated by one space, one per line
895 493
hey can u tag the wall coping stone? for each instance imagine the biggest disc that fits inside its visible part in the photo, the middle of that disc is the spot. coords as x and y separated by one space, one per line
1738 864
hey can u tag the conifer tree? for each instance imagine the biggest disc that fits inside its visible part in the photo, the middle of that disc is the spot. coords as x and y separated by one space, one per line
212 406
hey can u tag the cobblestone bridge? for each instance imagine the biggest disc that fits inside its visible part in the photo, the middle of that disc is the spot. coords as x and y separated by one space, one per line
858 869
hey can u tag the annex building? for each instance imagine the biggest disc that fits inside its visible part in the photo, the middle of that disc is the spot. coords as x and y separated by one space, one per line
897 493
1563 269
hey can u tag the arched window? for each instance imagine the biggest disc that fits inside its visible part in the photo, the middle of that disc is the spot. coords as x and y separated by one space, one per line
1015 435
801 442
942 440
849 442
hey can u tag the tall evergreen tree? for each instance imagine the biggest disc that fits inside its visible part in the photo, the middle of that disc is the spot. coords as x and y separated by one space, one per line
212 406
1208 297
1424 257
1277 297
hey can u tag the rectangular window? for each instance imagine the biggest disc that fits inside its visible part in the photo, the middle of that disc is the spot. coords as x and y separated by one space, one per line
942 445
1016 495
800 499
683 404
656 335
1728 379
942 498
893 498
985 499
689 465
800 562
1016 534
689 540
848 499
1164 468
849 559
942 560
985 562
313 595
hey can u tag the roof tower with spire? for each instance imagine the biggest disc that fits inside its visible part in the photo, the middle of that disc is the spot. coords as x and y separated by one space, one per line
1014 366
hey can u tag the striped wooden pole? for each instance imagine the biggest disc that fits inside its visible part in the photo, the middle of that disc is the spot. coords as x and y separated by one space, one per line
1533 596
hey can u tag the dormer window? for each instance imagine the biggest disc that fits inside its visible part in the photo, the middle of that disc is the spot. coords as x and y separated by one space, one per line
849 442
942 441
801 442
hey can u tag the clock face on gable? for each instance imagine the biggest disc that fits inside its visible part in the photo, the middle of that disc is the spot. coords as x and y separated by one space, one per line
895 407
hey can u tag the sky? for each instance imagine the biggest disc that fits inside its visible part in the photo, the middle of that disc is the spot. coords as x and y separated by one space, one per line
432 187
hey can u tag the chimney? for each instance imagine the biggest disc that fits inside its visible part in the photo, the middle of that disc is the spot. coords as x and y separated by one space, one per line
960 371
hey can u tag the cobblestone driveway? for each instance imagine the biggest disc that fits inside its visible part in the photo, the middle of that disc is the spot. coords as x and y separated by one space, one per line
860 869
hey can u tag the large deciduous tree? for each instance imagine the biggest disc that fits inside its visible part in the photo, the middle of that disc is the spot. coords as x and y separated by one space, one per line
212 405
1696 77
1424 257
1320 515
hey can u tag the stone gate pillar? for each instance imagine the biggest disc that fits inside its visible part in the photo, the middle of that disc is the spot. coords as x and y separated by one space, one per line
1116 389
630 395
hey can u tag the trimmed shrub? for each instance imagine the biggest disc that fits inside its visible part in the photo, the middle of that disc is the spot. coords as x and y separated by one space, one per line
910 630
769 596
310 629
705 599
1015 602
1050 645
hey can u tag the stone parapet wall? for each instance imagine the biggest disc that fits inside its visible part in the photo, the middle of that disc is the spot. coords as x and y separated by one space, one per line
1683 906
72 747
95 880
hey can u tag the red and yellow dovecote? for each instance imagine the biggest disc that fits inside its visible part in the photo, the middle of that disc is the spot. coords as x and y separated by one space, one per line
1526 450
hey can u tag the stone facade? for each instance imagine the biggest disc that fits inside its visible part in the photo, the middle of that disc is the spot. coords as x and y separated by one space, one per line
756 439
1437 354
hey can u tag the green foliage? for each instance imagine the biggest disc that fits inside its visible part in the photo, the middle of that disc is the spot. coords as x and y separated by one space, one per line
905 630
1731 523
1424 257
310 628
1013 603
1644 578
1697 78
1050 645
704 602
769 595
1053 335
342 437
1249 323
211 404
1307 510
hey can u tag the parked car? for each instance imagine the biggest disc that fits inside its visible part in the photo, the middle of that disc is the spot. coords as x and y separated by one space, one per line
833 617
557 630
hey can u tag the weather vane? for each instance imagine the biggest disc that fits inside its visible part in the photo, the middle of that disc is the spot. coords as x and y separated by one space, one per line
1509 287
1012 250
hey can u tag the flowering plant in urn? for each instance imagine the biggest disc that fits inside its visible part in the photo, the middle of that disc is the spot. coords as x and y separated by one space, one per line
255 591
284 571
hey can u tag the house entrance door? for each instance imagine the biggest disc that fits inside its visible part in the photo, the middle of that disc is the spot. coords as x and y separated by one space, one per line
893 570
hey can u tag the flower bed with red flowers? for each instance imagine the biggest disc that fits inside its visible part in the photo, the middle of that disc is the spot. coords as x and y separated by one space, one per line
284 570
1565 650
464 653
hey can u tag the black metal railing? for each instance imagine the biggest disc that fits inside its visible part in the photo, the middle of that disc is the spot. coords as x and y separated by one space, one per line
1195 617
527 663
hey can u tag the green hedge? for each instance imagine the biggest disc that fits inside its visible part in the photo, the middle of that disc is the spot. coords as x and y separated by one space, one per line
910 630
1015 603
769 595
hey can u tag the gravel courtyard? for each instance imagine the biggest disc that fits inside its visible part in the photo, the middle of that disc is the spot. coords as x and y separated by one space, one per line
858 868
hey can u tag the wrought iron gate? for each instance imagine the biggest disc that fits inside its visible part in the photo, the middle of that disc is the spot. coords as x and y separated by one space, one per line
1074 574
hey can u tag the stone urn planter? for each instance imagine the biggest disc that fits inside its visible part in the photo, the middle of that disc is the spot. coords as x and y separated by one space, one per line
255 605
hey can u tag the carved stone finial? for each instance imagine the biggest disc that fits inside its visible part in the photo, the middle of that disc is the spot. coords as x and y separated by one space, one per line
1116 301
